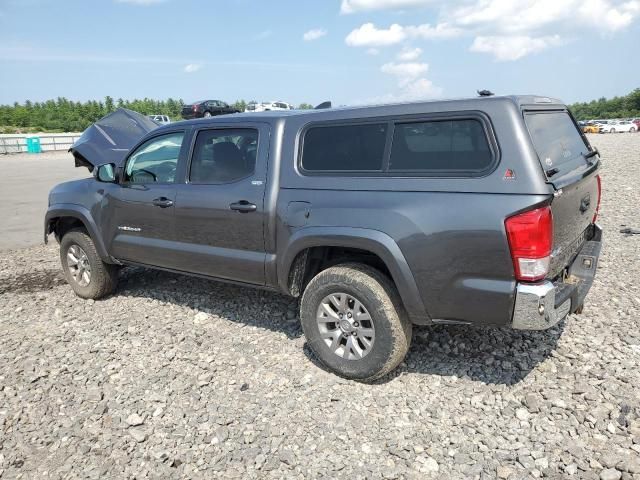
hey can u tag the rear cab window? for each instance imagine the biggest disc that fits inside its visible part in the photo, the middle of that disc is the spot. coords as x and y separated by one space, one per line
223 155
560 146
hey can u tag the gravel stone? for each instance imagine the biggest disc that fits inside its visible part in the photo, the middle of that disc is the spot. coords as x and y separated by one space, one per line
571 469
504 471
610 474
134 420
632 465
138 435
175 377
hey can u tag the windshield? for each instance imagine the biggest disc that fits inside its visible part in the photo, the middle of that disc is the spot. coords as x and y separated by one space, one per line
560 146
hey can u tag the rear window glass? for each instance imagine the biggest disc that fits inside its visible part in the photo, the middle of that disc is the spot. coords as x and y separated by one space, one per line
441 146
557 140
224 156
344 148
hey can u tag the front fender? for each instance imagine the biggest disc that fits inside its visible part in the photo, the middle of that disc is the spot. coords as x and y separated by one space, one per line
81 213
374 241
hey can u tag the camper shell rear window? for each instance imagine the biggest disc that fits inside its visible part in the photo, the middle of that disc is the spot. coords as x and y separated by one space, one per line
415 147
561 147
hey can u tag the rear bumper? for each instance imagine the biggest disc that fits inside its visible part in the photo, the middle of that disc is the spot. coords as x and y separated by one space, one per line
540 306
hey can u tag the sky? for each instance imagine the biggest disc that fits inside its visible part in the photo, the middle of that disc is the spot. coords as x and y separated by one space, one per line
347 51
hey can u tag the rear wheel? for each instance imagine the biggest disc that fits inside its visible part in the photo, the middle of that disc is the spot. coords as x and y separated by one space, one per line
354 321
632 129
207 114
613 130
83 268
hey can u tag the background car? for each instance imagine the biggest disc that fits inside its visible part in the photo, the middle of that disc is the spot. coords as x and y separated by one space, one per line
207 108
161 119
268 106
618 127
590 127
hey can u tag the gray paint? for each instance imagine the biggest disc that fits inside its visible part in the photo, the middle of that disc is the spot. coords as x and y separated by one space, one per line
442 239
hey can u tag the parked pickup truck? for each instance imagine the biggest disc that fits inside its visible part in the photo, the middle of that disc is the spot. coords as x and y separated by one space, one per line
478 212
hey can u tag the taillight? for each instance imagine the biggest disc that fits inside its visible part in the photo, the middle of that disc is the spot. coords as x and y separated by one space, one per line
530 236
195 108
595 215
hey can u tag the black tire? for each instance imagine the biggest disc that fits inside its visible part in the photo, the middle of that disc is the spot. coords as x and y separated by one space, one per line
103 276
378 295
207 114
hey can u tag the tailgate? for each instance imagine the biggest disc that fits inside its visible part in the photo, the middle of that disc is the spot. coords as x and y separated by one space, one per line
563 152
573 212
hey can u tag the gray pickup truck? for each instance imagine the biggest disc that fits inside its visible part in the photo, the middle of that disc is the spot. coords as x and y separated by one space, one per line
477 212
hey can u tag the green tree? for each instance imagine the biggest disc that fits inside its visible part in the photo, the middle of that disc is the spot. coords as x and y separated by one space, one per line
240 105
109 105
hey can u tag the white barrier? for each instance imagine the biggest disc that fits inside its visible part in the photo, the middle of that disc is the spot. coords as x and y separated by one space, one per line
17 143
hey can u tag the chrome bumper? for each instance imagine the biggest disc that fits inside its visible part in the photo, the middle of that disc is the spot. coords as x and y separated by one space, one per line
535 307
542 305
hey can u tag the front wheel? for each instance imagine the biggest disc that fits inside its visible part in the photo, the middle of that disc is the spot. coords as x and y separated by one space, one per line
354 321
86 273
613 130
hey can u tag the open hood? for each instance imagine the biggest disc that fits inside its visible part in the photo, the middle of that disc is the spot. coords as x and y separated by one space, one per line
110 138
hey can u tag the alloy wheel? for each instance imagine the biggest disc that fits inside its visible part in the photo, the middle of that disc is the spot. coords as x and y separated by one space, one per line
78 264
346 326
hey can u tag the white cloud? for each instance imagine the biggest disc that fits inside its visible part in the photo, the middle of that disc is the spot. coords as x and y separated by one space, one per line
507 29
420 89
427 32
601 12
528 17
412 83
510 48
413 91
314 34
192 67
409 54
373 51
368 35
405 71
351 6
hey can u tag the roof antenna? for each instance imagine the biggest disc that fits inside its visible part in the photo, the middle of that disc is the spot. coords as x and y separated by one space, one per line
485 93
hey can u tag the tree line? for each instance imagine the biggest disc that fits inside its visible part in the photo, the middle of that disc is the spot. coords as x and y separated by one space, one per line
63 115
627 106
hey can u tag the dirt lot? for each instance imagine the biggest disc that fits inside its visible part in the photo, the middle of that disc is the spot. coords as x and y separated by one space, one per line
180 378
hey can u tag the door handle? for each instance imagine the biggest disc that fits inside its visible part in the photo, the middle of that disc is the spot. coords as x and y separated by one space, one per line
163 202
243 206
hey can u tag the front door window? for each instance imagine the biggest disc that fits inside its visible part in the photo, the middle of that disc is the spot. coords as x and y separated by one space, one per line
155 161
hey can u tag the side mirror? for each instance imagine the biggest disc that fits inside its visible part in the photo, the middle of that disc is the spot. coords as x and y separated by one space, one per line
105 173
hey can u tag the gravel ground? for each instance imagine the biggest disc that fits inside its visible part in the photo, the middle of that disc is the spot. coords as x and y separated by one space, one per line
181 378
